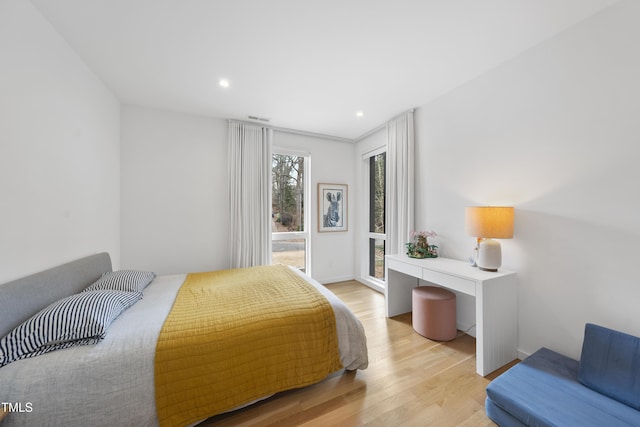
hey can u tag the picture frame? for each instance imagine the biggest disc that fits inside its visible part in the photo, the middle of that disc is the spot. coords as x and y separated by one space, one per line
333 207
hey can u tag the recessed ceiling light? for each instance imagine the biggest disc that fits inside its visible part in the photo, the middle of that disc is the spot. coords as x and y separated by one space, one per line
224 82
359 113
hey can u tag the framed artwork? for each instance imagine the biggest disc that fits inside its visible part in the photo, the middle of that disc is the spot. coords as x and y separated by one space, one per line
332 207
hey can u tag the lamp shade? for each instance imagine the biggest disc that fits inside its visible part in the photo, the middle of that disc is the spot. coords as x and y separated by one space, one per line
492 222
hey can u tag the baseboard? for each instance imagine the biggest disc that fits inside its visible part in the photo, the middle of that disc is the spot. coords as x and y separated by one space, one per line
328 280
467 329
371 284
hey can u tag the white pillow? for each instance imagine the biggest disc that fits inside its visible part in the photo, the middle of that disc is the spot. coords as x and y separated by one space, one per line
75 320
123 280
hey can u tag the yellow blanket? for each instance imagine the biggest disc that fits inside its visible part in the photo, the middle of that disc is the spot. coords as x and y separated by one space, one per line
234 336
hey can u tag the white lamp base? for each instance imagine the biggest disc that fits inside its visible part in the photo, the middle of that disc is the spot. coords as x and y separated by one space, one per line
489 255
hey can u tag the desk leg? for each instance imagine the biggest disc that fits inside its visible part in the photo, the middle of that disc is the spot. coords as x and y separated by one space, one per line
496 324
397 292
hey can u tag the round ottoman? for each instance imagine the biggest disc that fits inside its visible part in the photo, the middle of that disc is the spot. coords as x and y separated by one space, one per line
434 313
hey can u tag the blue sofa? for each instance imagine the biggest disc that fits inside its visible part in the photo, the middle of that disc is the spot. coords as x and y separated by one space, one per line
548 389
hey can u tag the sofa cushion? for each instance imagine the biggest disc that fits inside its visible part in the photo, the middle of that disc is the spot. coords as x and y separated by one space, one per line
610 364
543 390
499 416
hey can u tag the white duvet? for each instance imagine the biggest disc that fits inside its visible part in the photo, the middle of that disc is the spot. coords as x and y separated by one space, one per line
111 383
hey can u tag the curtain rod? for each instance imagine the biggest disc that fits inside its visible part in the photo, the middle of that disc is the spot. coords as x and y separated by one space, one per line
321 135
295 131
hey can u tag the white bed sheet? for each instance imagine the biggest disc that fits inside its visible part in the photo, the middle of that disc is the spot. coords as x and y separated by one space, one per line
111 383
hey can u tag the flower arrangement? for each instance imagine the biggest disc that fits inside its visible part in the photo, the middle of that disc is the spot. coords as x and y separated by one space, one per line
419 246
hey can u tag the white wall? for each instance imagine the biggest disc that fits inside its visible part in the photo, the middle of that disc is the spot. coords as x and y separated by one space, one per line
555 133
175 217
174 191
59 150
332 254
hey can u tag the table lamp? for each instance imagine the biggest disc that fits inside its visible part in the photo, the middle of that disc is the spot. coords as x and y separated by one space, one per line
487 223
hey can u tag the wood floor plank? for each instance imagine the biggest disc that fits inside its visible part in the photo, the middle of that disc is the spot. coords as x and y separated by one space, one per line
410 381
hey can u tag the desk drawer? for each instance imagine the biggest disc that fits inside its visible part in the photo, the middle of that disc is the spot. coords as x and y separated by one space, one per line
448 281
402 267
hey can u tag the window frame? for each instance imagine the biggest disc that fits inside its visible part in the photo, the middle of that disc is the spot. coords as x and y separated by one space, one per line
368 235
306 200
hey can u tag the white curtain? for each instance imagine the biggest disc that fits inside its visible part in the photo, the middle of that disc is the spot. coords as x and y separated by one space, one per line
250 152
400 183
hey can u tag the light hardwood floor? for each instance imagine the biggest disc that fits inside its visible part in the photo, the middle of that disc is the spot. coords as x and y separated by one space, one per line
410 381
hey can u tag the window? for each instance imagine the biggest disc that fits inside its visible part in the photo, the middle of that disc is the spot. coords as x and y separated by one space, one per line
289 214
377 218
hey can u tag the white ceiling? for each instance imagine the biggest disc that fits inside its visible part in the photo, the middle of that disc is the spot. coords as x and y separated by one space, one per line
307 65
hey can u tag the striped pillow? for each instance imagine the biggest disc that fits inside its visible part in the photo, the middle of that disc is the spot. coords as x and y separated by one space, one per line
123 280
75 320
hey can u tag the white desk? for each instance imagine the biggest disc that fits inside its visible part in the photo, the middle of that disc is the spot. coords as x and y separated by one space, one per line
495 294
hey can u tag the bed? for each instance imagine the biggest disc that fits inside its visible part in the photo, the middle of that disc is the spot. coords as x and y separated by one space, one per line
113 382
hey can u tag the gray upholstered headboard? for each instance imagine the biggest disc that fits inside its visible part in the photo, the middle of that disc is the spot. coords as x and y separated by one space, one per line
22 298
